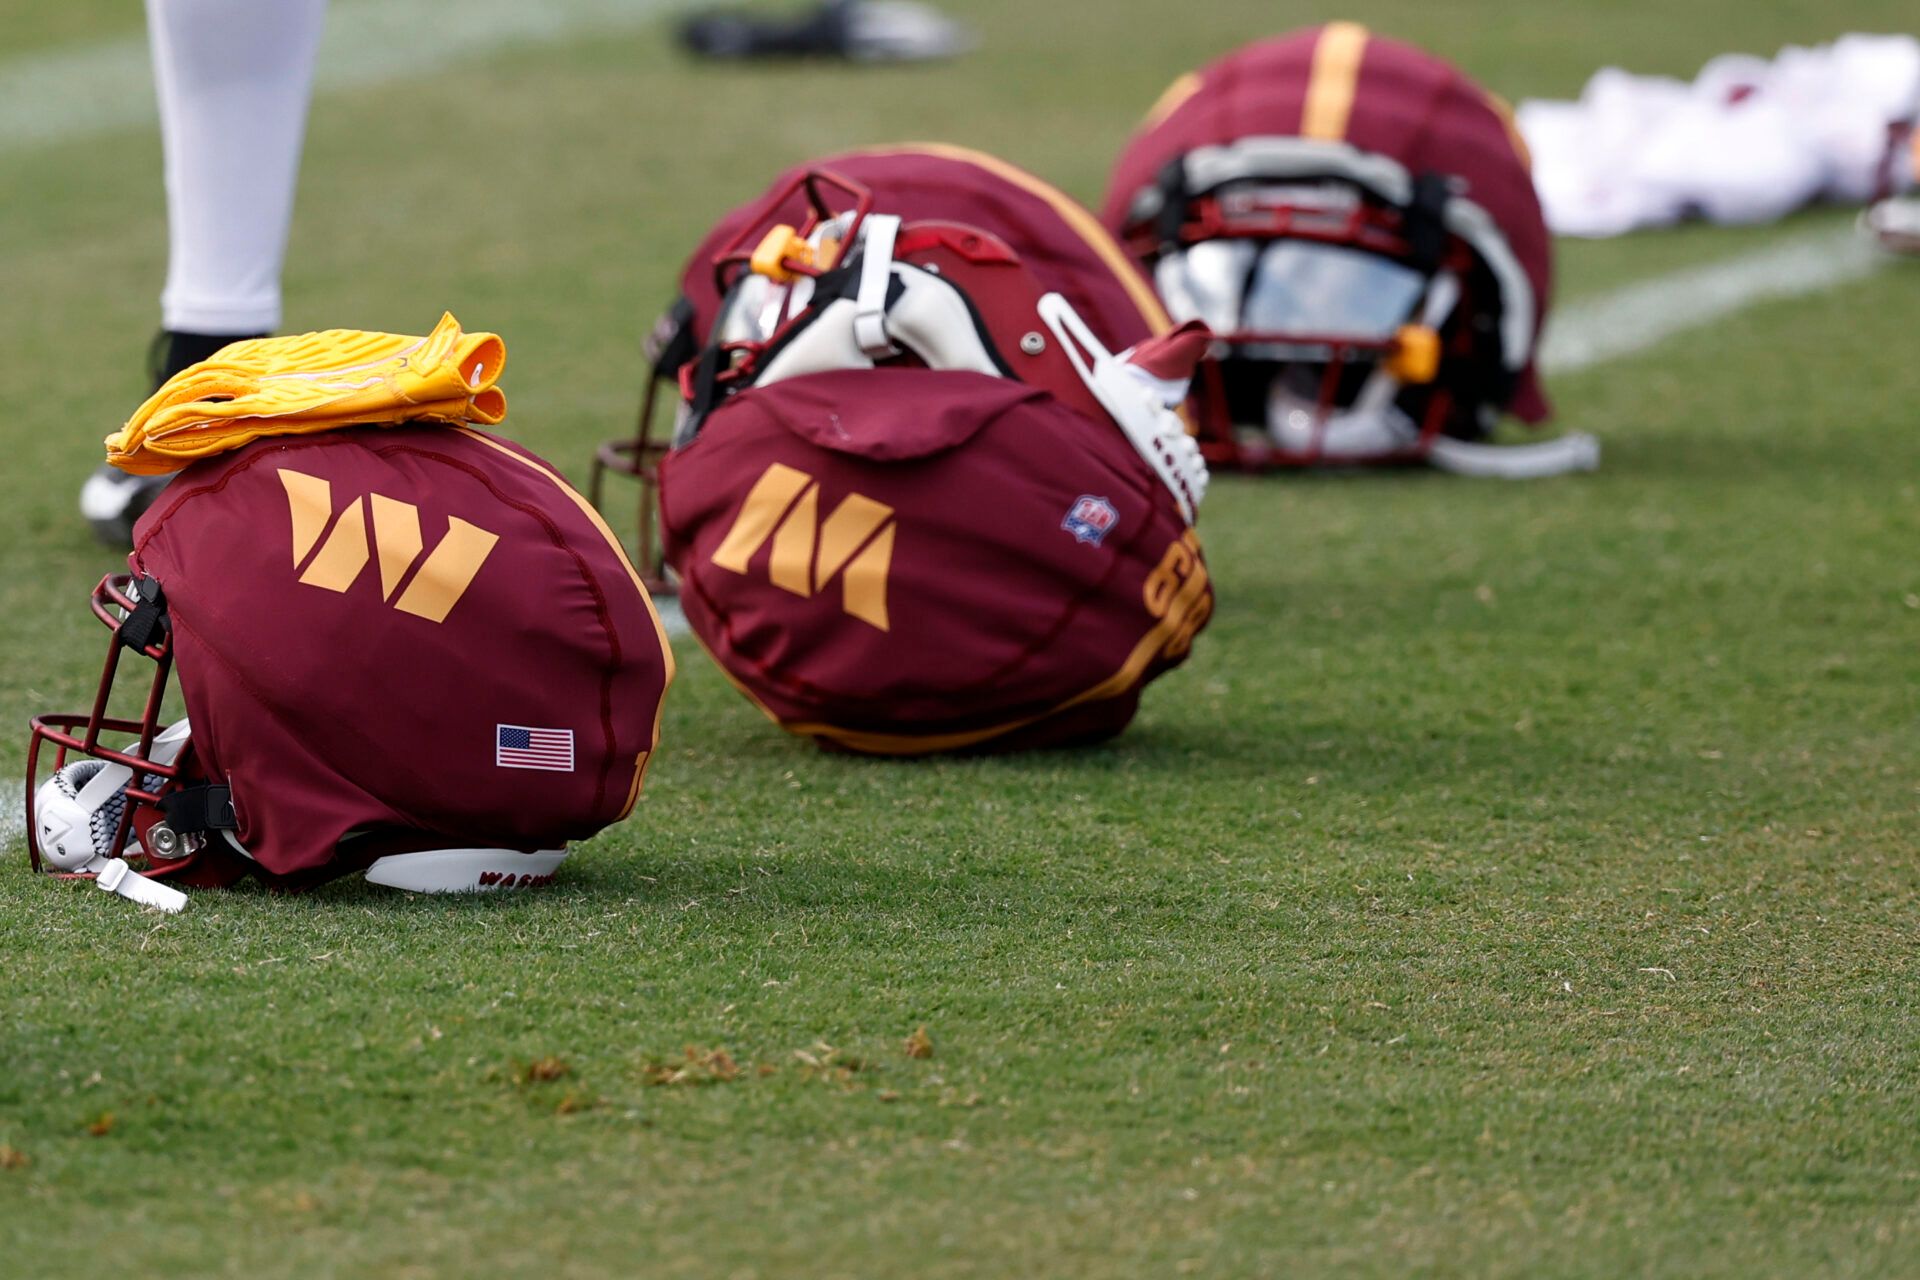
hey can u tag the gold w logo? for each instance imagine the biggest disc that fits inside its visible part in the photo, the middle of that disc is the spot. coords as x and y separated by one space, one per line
855 542
433 590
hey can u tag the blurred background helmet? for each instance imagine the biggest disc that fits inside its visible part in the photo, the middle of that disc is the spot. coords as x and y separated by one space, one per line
1354 219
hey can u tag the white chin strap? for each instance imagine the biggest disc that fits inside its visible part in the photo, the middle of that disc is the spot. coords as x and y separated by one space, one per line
115 876
1373 426
1359 435
465 870
876 277
1142 404
1575 451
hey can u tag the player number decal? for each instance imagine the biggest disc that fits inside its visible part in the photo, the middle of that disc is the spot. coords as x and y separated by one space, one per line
1176 592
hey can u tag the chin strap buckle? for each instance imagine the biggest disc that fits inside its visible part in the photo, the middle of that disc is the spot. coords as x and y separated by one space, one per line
115 876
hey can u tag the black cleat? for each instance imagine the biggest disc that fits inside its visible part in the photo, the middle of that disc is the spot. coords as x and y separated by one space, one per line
857 30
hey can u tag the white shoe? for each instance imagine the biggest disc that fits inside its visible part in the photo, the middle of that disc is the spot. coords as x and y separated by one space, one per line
111 500
902 31
1894 224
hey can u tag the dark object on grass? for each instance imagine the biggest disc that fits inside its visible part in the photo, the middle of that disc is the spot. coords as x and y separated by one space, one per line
857 30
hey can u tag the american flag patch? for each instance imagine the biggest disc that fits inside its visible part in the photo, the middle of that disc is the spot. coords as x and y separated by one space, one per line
517 746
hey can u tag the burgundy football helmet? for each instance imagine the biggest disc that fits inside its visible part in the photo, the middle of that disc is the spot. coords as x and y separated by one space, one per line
885 258
349 618
928 487
1355 219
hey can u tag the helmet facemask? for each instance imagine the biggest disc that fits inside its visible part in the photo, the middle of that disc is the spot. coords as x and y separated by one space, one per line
1353 330
104 806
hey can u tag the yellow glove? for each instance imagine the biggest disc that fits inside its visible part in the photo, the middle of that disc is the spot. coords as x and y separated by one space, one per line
312 382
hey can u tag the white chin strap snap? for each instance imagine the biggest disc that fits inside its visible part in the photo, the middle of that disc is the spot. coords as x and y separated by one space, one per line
465 870
1575 451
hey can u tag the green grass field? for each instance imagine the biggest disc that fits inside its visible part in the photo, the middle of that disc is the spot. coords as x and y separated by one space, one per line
1520 880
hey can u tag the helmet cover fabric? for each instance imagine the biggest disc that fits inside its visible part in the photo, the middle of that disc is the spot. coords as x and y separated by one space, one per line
1025 573
415 632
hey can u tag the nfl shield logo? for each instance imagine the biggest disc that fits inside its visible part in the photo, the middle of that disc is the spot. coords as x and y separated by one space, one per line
1090 519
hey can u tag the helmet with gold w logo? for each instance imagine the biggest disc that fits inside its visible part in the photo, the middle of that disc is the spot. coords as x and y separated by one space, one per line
411 650
928 486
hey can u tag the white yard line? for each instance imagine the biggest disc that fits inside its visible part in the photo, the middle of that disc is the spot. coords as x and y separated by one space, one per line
672 620
1625 321
13 813
60 95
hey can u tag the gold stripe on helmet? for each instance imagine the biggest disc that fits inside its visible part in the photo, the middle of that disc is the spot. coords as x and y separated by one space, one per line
1336 75
1169 101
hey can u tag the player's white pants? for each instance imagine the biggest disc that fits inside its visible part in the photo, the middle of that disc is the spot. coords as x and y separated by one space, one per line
234 77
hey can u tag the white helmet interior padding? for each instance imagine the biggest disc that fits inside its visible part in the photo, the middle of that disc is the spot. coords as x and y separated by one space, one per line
926 316
1207 281
78 809
1373 424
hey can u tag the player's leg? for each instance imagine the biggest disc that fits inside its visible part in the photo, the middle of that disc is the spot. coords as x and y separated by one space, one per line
233 79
